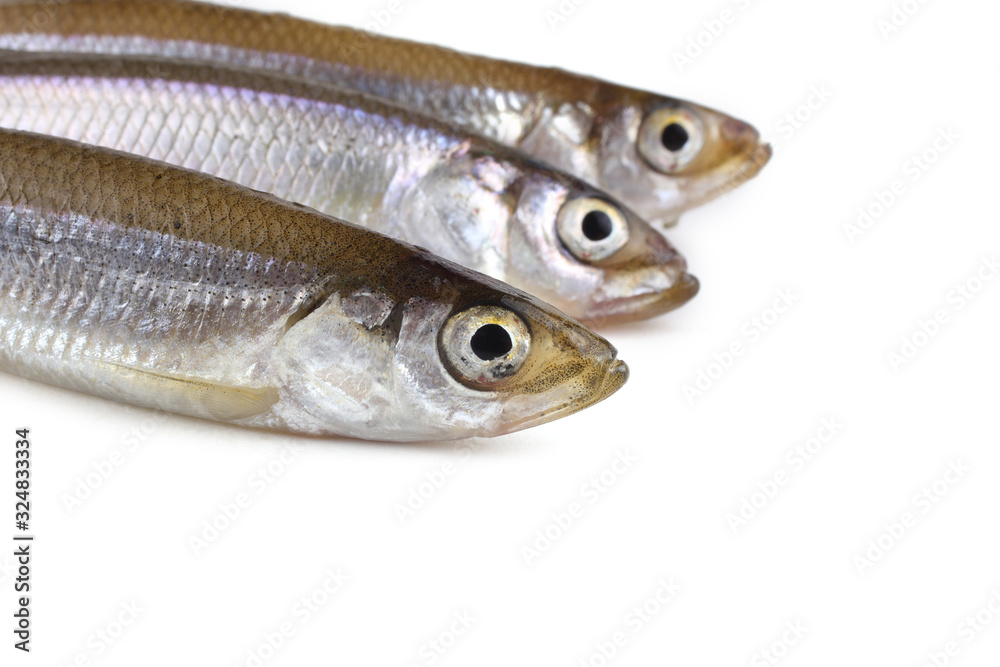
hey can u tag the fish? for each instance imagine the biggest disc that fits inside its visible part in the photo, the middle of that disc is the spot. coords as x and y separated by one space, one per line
659 155
161 287
359 158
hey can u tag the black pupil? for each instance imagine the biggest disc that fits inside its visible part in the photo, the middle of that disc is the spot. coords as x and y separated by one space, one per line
491 341
597 225
674 137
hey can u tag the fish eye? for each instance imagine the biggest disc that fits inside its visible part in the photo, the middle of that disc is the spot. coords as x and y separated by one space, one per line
670 139
592 229
674 137
485 345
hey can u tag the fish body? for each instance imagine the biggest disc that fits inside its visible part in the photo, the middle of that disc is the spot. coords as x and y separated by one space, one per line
464 197
659 155
149 284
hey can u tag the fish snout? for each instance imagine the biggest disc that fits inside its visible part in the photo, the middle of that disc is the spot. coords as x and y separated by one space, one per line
663 253
616 377
738 132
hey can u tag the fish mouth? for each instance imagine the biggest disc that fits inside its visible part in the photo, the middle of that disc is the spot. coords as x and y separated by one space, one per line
747 165
616 374
701 188
643 306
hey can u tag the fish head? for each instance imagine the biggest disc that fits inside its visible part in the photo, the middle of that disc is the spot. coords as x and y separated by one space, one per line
665 156
466 356
548 233
662 156
526 356
591 256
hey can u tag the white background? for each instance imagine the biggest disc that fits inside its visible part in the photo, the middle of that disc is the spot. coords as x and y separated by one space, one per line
667 517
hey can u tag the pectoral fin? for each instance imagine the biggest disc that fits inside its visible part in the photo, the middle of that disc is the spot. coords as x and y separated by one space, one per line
189 396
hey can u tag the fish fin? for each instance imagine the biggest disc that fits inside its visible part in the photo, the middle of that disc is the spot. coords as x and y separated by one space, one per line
190 396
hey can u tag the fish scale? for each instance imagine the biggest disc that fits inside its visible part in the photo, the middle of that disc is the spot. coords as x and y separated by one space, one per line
608 134
260 312
383 167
